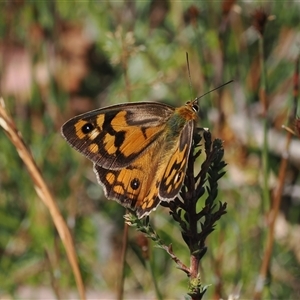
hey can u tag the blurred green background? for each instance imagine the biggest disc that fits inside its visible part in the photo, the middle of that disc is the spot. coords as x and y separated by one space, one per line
62 58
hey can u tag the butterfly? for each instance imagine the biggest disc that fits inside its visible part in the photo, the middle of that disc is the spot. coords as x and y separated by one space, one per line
139 150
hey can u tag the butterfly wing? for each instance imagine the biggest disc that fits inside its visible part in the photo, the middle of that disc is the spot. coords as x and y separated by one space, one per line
151 178
175 169
137 185
114 136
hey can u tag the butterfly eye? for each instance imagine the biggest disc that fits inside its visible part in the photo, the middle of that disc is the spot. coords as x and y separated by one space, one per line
87 128
135 184
195 107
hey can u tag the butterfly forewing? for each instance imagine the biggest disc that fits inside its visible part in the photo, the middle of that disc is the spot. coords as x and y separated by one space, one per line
113 137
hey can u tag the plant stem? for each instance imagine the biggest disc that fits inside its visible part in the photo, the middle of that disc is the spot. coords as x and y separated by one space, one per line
194 260
120 288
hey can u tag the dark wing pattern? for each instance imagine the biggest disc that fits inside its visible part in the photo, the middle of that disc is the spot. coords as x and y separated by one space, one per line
175 170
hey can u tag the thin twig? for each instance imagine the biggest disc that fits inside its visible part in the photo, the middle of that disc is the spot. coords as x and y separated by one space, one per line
180 264
120 288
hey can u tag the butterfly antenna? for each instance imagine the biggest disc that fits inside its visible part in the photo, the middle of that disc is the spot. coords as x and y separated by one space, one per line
189 73
214 89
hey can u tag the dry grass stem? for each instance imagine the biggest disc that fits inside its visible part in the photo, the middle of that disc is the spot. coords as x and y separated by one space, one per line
43 192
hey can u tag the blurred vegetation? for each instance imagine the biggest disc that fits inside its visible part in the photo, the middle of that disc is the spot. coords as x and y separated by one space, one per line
62 58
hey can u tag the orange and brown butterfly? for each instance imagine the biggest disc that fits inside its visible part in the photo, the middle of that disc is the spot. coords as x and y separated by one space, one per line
139 150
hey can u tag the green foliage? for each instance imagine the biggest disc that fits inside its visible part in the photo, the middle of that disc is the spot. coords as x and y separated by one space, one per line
62 58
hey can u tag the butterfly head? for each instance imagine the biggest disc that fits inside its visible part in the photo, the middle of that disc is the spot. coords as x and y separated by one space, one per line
193 105
189 111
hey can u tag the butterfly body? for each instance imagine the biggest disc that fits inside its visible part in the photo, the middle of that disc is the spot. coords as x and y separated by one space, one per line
139 150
